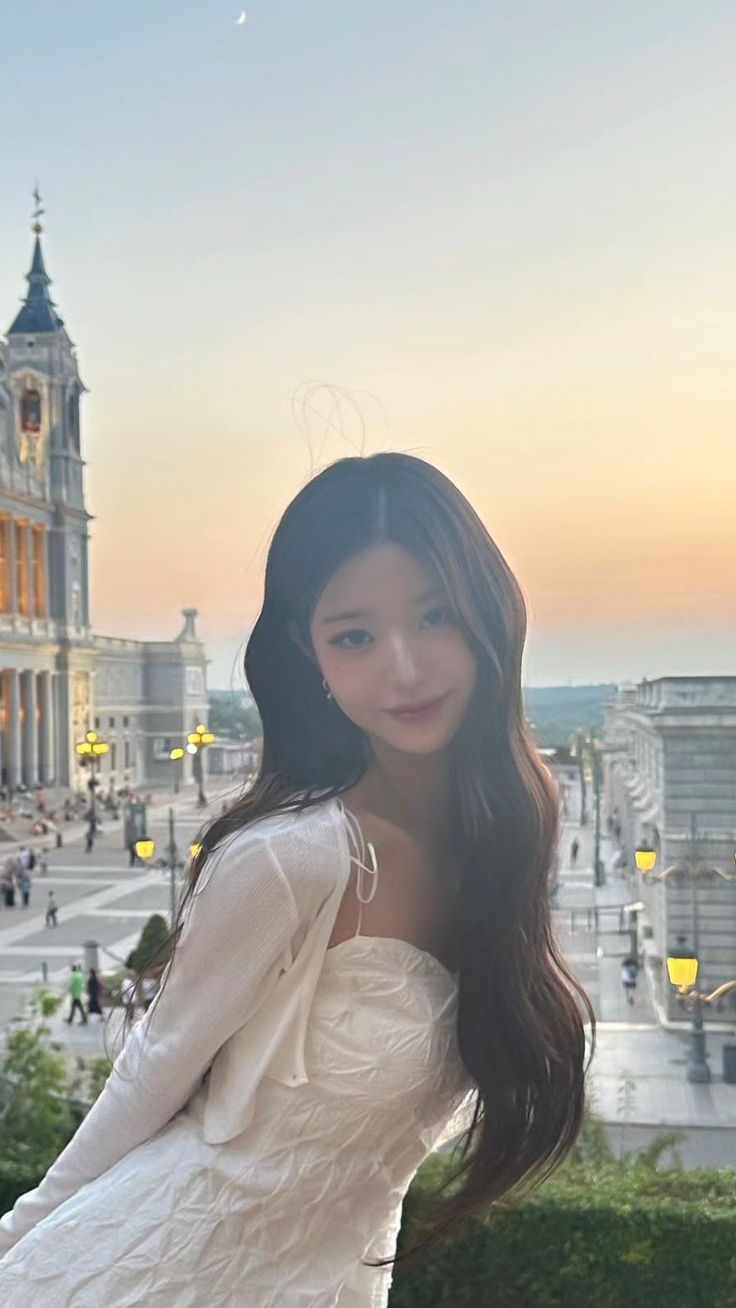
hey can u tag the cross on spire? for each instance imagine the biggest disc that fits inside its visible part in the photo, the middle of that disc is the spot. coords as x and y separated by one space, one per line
38 211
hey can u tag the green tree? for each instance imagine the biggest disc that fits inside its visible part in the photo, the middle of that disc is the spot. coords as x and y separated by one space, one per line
153 937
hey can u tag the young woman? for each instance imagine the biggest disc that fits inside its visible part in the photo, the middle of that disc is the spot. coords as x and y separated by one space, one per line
363 964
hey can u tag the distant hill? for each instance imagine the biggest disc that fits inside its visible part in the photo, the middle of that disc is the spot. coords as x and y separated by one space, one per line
558 711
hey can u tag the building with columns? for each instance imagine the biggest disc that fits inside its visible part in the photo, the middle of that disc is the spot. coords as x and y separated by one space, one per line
58 679
669 762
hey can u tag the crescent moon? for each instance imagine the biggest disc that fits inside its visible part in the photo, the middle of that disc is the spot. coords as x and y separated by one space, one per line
242 19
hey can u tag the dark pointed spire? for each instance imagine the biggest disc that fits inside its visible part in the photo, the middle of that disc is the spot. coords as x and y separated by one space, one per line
38 312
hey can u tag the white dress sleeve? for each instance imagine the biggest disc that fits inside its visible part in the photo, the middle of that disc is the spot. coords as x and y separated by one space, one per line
239 923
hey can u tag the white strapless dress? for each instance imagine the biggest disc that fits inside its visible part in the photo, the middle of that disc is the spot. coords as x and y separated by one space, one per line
281 1215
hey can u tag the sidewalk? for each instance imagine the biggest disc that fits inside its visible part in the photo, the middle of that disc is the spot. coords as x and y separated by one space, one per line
637 1079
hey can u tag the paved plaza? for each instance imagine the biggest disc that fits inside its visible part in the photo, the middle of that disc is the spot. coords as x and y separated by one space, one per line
637 1078
101 898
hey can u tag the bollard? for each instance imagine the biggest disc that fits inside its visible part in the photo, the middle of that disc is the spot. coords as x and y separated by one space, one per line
91 955
45 972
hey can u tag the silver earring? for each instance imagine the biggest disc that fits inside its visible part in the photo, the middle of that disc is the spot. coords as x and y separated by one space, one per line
326 688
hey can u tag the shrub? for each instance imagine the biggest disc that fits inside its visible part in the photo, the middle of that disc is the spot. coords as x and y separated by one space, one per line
613 1236
154 935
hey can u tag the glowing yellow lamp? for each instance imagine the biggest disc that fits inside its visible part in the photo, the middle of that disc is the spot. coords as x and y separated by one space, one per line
91 737
100 748
645 859
201 727
177 753
193 737
208 737
144 848
84 748
682 972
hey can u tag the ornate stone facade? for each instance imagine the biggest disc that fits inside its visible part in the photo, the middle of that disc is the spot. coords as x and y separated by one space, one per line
669 762
58 679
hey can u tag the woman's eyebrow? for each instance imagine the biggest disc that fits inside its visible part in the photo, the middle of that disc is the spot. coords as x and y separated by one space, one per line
366 613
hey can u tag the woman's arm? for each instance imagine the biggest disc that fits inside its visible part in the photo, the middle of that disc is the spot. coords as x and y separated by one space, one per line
239 923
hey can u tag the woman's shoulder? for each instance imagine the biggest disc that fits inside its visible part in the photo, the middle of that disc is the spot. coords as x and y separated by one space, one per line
300 844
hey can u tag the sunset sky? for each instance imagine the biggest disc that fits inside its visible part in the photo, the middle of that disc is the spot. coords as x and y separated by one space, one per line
501 234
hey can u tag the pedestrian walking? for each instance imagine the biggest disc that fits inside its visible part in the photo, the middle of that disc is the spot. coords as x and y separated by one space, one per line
43 864
8 882
52 909
76 990
629 974
575 846
150 990
128 994
25 888
133 856
89 840
94 993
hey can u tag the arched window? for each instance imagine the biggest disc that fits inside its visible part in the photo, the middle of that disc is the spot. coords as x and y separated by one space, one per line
72 410
30 410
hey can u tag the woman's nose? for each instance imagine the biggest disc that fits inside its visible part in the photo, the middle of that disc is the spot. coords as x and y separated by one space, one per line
403 663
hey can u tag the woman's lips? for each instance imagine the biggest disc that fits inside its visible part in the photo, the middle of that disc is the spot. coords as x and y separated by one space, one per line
419 712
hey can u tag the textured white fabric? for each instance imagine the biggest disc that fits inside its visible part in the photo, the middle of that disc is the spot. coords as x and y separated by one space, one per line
144 1208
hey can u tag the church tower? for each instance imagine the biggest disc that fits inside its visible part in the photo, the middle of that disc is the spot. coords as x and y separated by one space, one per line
42 376
46 646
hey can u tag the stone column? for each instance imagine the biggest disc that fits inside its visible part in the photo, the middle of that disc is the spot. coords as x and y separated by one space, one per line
12 566
43 553
12 685
28 546
30 729
48 735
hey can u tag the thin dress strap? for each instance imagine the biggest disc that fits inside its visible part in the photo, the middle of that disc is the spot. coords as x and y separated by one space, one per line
362 846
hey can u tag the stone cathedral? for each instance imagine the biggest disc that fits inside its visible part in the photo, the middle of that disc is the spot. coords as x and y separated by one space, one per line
57 679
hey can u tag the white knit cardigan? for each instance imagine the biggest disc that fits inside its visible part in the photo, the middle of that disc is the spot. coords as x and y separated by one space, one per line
236 1000
235 1003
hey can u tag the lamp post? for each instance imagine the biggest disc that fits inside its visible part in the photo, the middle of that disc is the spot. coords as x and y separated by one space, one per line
633 911
90 751
682 968
595 763
145 849
684 964
177 756
196 742
587 751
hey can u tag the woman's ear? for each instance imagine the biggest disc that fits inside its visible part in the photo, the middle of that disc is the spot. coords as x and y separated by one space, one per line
295 634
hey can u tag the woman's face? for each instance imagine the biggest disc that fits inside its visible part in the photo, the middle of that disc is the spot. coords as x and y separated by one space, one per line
399 645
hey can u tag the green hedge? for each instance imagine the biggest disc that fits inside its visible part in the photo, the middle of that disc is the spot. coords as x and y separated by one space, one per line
622 1236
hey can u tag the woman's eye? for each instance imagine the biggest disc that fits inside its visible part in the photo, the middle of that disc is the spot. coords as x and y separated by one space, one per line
344 635
443 611
351 640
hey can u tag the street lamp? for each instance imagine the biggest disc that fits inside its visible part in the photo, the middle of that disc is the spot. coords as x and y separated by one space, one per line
196 742
177 755
684 963
682 967
145 849
90 752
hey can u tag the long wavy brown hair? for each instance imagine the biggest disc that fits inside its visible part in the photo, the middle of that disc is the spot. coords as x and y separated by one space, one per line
521 1012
